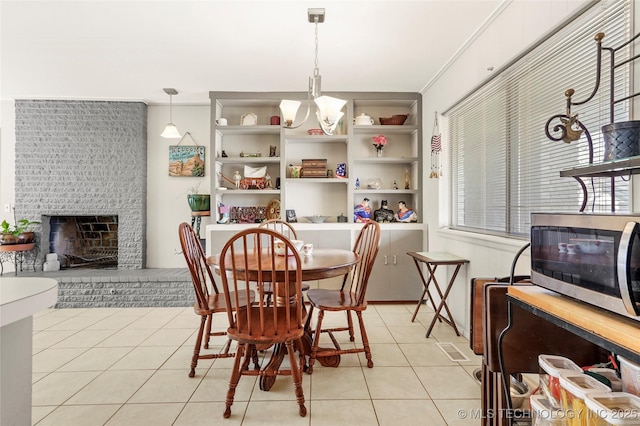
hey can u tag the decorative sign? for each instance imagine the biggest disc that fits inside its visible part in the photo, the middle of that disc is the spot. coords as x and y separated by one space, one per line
186 160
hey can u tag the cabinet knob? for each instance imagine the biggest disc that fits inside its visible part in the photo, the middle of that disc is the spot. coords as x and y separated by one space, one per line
395 259
385 260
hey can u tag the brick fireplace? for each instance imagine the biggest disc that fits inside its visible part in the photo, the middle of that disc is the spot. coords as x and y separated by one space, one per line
84 158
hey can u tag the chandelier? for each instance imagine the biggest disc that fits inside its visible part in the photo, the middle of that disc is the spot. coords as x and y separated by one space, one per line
328 109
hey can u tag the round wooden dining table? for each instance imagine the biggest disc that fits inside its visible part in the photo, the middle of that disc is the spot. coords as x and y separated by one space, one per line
321 264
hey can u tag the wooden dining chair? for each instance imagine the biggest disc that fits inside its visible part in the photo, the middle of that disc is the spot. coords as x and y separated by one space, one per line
350 297
281 227
288 231
208 299
260 325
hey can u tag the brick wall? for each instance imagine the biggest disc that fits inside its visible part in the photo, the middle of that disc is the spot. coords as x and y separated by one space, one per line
84 158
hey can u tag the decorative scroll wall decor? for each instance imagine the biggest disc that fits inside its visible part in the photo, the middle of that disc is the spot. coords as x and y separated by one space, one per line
621 139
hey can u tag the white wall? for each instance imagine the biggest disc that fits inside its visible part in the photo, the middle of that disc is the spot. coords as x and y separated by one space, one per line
517 26
7 158
167 203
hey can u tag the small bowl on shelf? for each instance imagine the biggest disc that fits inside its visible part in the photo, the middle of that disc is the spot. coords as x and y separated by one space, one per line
315 132
316 218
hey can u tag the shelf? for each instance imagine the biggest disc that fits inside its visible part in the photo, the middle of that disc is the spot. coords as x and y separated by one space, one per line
352 146
385 100
376 129
607 330
247 160
247 191
317 138
248 130
317 180
386 160
625 167
385 191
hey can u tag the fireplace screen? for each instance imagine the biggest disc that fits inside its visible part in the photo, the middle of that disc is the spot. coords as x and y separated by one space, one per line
85 241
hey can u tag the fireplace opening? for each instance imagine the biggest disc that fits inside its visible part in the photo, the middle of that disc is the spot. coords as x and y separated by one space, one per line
85 241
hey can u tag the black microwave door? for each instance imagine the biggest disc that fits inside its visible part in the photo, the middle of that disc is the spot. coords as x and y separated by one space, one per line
628 267
579 257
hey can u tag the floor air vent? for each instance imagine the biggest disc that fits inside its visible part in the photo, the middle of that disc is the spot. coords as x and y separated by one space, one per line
452 352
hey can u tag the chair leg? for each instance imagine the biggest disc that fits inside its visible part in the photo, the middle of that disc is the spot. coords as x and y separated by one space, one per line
350 322
254 357
316 341
208 333
196 349
236 372
296 374
365 340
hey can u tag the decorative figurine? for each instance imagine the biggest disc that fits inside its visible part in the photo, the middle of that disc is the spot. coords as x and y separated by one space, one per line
272 150
341 170
405 214
383 214
362 212
224 213
224 154
237 178
267 179
357 183
395 185
407 179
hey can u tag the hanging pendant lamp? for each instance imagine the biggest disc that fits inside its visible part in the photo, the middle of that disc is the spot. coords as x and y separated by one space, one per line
329 109
170 130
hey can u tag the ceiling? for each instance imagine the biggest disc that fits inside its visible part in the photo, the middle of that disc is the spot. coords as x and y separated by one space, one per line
131 50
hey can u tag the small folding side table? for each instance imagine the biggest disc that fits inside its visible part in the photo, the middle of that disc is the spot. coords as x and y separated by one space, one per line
434 259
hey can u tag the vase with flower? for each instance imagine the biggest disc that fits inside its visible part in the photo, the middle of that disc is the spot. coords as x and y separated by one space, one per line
379 142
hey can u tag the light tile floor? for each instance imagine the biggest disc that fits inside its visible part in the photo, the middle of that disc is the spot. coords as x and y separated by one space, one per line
110 366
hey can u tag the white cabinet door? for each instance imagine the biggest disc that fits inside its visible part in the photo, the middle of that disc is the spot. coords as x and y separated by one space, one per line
393 277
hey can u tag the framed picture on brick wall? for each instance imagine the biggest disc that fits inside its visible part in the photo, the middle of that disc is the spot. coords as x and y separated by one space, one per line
186 160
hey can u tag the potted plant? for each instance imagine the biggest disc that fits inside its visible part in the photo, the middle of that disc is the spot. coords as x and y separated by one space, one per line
23 228
19 233
7 234
199 202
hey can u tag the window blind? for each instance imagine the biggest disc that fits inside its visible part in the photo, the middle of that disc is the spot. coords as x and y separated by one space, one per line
502 165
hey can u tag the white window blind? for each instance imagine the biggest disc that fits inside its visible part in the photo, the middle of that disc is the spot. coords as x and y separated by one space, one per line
502 165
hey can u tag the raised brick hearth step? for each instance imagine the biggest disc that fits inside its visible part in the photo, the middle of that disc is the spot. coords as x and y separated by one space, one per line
111 288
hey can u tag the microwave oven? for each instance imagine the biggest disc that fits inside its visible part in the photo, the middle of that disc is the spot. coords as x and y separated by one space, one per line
594 258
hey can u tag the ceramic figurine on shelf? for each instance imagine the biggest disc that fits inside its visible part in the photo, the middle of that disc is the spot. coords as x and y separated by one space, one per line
224 213
383 214
267 181
405 214
357 183
237 177
362 212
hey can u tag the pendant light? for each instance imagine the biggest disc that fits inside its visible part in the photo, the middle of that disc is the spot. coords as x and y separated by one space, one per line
328 108
170 130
